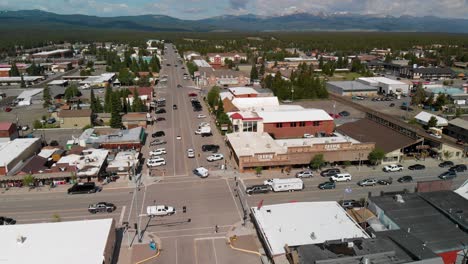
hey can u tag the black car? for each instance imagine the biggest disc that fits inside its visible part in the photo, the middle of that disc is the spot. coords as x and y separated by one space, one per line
458 168
83 187
160 119
158 134
344 113
327 185
330 172
101 207
448 175
179 86
210 147
258 189
446 163
405 179
161 111
7 221
174 107
416 167
385 182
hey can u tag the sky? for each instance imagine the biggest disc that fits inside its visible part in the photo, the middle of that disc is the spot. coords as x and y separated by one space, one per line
196 9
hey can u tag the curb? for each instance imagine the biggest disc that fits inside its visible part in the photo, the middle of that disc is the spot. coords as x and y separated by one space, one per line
244 250
150 258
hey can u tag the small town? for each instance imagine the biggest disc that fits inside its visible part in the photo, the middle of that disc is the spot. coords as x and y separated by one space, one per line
242 147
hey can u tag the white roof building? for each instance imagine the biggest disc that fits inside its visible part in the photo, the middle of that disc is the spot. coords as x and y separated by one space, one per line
88 164
123 161
256 103
250 143
75 242
303 223
239 91
294 115
95 80
424 117
386 85
227 95
13 153
202 63
25 98
52 52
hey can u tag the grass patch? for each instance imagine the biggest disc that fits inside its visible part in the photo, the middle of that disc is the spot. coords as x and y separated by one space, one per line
345 76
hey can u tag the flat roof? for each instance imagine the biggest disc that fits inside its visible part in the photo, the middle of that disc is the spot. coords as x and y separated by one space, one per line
425 117
383 80
73 242
121 136
11 150
256 103
298 142
424 221
352 86
202 63
58 82
18 79
250 143
29 93
51 52
242 90
297 224
459 123
105 77
294 115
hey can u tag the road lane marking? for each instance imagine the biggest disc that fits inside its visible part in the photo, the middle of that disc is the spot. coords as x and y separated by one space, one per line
176 254
214 251
179 236
209 238
122 215
131 206
191 229
234 200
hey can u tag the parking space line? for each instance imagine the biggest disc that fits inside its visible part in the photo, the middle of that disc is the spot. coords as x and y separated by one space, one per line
190 229
176 254
122 215
200 234
234 200
214 251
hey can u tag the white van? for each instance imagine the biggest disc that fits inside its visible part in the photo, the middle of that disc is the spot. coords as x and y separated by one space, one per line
287 185
341 177
156 161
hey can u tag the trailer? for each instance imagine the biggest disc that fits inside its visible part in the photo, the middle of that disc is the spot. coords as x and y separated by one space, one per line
287 185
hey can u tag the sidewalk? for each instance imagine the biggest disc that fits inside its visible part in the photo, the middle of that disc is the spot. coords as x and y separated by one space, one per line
61 188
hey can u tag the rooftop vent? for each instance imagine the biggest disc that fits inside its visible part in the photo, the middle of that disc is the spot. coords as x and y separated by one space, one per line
312 236
268 145
350 244
399 198
20 239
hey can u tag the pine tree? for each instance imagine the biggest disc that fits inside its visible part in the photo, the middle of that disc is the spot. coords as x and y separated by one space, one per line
262 70
220 109
93 101
253 73
137 105
116 118
46 97
23 84
321 62
14 70
108 100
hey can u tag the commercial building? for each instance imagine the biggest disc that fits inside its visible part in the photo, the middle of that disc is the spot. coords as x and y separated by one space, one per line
112 138
8 131
188 55
136 119
430 73
123 162
424 117
219 58
222 77
102 80
351 88
59 53
25 98
253 149
16 80
75 118
437 218
73 242
385 85
458 128
296 224
15 152
90 163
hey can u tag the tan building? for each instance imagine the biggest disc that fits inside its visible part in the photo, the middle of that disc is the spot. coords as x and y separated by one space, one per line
251 150
75 118
137 119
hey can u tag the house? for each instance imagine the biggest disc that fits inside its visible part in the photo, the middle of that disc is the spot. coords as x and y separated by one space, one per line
424 117
62 67
51 242
136 119
457 128
15 152
430 73
8 131
145 94
437 218
219 58
75 118
188 55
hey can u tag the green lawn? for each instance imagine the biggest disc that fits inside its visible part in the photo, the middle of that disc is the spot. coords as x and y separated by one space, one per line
345 76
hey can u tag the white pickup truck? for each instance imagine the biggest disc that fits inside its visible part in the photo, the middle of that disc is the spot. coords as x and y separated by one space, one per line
392 168
160 210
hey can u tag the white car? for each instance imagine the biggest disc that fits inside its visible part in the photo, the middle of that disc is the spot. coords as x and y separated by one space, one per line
190 153
201 116
340 177
392 168
269 181
215 157
304 174
201 171
308 136
160 210
155 162
203 124
157 152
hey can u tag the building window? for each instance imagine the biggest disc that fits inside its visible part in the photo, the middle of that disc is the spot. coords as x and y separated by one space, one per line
249 126
302 124
293 124
279 125
316 123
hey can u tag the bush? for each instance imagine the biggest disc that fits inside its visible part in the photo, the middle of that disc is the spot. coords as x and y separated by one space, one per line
37 124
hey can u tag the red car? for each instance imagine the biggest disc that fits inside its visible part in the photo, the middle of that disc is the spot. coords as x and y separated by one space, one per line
8 109
192 94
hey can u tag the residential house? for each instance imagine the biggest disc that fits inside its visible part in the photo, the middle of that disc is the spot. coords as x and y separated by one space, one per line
145 94
75 118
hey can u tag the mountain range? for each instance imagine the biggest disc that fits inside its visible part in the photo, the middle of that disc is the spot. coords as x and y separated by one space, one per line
292 22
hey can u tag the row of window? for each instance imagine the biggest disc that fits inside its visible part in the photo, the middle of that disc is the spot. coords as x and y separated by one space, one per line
295 124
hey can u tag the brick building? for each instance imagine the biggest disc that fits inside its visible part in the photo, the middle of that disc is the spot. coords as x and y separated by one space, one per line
219 58
8 131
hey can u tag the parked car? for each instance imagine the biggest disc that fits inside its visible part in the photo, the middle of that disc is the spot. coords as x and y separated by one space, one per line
51 120
174 107
405 179
8 109
327 185
157 152
340 177
179 86
155 161
159 119
458 168
417 167
83 187
308 136
190 153
210 147
157 142
392 105
254 189
215 157
201 171
101 207
161 111
192 94
385 182
330 172
392 168
367 182
199 116
158 134
446 163
160 210
448 175
304 174
7 221
344 113
25 128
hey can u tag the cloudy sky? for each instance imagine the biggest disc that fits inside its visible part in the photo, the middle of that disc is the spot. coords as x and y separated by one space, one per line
194 9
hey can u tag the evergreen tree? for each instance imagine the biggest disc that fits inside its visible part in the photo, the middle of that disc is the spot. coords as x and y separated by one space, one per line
155 64
116 118
261 72
125 77
137 105
321 62
71 92
14 70
253 73
108 100
220 109
46 97
23 83
432 122
93 102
